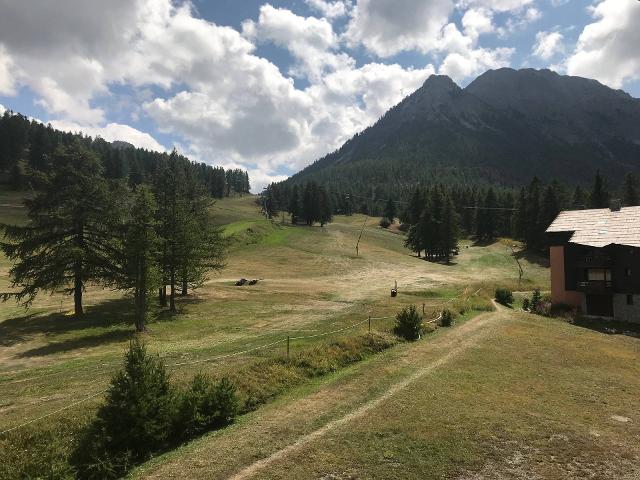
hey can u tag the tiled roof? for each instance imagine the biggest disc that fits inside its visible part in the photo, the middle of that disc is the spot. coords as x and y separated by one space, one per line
600 227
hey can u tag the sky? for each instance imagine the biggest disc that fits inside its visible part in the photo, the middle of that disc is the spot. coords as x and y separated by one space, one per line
272 86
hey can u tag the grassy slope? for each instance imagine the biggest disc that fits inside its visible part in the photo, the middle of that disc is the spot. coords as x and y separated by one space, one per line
312 282
516 396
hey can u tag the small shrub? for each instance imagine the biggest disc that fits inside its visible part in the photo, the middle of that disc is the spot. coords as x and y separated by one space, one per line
384 223
408 323
205 405
525 304
504 296
535 300
446 319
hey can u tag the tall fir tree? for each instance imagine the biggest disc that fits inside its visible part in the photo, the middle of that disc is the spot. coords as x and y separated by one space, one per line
140 242
579 200
599 197
67 241
449 230
294 205
390 210
631 190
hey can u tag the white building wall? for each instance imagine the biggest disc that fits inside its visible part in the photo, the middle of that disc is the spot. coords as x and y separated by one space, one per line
624 312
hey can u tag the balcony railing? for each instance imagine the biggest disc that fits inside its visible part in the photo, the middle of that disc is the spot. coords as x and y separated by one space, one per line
595 286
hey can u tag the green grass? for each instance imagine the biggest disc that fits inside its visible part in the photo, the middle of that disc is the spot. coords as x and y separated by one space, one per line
311 281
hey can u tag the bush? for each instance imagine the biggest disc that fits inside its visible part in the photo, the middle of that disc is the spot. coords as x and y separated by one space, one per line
504 296
408 323
204 406
446 319
384 223
535 300
39 451
135 420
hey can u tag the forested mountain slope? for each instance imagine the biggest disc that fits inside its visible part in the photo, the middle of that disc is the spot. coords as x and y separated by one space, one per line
505 127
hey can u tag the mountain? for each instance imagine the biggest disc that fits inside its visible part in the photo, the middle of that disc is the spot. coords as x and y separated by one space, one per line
505 127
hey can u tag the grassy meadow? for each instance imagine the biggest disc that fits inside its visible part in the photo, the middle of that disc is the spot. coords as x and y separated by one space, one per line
500 393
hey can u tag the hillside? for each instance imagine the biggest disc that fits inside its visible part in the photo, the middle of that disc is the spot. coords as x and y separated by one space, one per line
505 127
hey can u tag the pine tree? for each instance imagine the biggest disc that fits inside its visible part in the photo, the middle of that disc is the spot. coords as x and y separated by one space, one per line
486 223
140 271
533 233
171 192
520 217
599 197
294 205
67 241
579 200
631 190
324 208
390 210
449 230
551 206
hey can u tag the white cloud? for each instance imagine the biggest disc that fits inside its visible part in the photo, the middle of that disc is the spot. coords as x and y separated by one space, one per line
112 132
2 109
495 5
7 86
310 40
330 9
386 28
206 85
477 21
464 58
548 44
607 49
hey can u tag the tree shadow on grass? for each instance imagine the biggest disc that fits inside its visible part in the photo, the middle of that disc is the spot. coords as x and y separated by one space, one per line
106 314
611 327
87 341
533 258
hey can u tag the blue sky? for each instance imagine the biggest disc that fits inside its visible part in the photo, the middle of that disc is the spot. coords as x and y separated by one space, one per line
273 86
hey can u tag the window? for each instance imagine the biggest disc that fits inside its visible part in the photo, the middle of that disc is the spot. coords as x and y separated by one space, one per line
599 275
629 299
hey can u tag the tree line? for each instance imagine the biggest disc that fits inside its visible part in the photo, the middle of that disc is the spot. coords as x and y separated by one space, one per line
84 229
482 211
309 203
30 145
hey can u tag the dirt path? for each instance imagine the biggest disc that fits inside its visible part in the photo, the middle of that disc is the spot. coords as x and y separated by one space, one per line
469 335
258 442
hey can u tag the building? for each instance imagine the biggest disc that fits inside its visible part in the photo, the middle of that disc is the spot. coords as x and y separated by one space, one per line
595 262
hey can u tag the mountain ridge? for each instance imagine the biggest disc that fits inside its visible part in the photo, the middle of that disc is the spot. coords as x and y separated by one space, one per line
506 125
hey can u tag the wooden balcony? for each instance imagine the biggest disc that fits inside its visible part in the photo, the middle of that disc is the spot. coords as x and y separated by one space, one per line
595 286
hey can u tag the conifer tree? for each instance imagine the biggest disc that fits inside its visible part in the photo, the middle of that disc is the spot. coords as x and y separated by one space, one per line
294 205
140 243
390 210
520 217
449 229
550 205
599 197
324 208
533 233
631 190
67 241
579 200
171 191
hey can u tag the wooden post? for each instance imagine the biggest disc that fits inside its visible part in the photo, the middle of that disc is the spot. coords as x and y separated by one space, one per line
287 346
423 309
369 323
